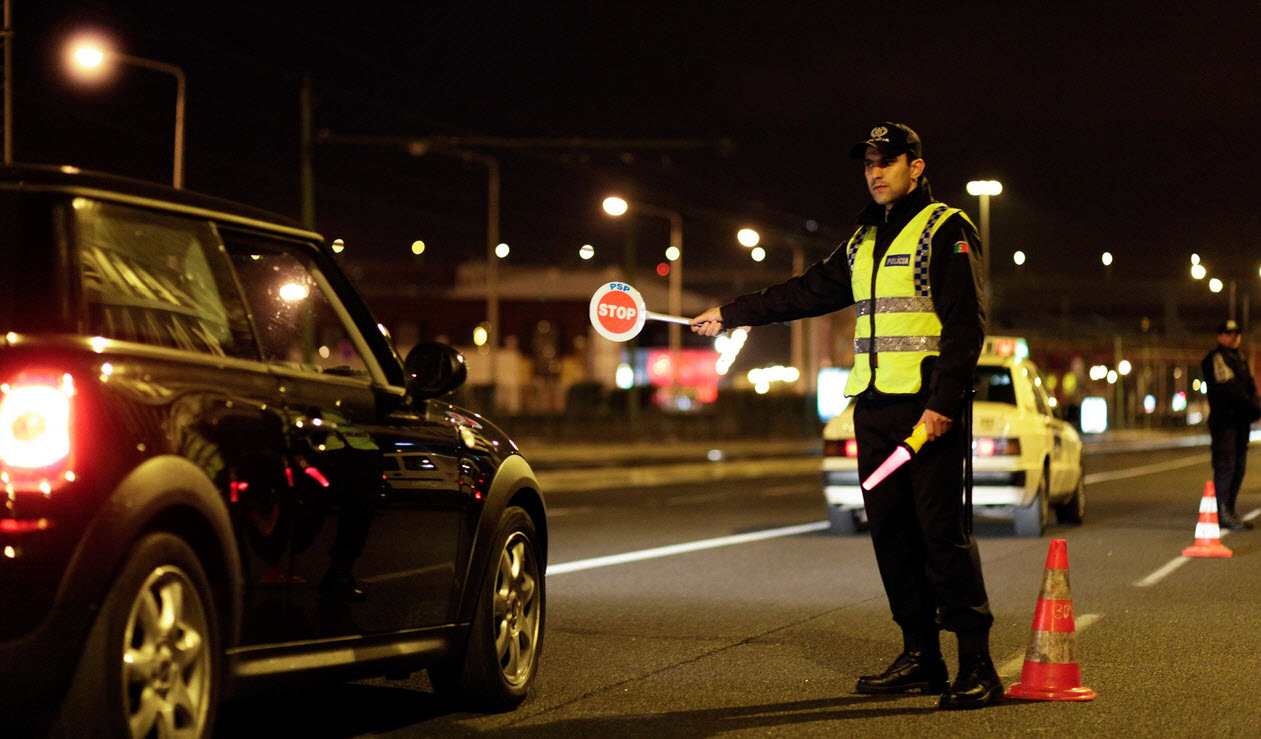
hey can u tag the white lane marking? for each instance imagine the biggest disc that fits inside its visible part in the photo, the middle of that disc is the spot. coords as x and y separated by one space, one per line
699 498
1162 572
569 511
1013 667
1173 564
1149 469
773 492
693 546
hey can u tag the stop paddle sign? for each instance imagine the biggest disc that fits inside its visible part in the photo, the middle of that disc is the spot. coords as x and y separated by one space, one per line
617 311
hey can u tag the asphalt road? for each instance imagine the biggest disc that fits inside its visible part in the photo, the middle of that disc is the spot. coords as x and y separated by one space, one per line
721 608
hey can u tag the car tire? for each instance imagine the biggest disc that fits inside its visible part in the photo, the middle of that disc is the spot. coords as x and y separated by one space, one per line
501 659
151 665
1030 520
1074 509
843 521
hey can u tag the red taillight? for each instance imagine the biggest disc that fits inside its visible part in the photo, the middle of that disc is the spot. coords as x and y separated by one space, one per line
35 432
840 448
987 447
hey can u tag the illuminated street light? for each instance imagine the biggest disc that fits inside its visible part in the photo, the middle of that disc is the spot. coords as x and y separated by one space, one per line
758 253
984 189
748 237
502 250
1198 271
615 206
586 252
1215 285
1107 259
1019 258
338 246
418 247
90 58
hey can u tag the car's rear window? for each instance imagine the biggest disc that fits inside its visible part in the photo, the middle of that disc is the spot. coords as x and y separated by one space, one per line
993 384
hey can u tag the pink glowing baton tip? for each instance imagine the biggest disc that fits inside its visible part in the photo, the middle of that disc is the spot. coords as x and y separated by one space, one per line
899 457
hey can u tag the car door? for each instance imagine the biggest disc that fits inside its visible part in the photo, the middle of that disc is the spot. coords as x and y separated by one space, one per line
1063 469
362 560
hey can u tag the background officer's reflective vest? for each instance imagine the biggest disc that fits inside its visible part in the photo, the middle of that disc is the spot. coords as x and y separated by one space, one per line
897 327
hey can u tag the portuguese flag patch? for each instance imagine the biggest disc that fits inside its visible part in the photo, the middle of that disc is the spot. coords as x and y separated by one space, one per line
961 247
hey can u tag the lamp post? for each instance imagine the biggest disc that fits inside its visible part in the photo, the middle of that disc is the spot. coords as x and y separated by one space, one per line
983 189
90 58
749 238
616 206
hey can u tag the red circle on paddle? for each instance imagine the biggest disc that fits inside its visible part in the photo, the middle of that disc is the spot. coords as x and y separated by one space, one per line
617 312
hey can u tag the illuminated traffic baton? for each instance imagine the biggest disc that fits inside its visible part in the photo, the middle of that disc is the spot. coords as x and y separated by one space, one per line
899 457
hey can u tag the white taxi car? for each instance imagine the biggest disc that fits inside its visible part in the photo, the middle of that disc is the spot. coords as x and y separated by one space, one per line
1026 461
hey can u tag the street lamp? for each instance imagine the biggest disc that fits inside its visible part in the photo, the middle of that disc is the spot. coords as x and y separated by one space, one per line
983 189
616 206
749 238
91 58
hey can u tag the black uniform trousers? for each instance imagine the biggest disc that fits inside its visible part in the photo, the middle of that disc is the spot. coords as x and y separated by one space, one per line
1230 461
928 562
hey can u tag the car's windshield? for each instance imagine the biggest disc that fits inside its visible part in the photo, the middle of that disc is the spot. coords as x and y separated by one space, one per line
993 384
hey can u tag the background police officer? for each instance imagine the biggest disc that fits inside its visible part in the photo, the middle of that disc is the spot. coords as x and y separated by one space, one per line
1232 407
912 270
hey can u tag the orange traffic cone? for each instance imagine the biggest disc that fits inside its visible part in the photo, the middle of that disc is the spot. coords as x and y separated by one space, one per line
1051 672
1208 535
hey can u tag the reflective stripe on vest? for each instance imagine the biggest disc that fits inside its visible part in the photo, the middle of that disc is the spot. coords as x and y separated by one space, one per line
897 330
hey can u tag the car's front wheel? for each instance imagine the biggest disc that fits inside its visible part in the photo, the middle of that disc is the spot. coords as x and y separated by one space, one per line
502 656
150 666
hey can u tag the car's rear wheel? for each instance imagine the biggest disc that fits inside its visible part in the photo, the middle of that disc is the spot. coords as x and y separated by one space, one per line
843 521
1030 520
502 656
151 664
1074 509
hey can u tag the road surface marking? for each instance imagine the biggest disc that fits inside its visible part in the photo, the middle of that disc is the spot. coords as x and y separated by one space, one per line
1148 469
1013 667
1178 561
773 492
694 546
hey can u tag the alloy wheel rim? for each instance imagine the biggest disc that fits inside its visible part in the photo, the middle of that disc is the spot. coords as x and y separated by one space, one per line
517 609
165 659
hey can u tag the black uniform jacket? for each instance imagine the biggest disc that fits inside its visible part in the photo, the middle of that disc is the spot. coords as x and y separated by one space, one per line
1232 392
954 279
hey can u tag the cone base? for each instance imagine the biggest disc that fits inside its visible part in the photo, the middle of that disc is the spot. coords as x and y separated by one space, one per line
1030 693
1207 549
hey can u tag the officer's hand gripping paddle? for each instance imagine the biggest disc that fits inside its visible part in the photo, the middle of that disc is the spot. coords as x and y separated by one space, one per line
899 457
618 312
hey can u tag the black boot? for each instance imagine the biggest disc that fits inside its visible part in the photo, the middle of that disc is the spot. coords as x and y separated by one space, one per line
976 686
1228 522
1242 523
911 672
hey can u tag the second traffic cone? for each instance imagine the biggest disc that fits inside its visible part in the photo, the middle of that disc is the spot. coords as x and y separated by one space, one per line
1208 535
1051 672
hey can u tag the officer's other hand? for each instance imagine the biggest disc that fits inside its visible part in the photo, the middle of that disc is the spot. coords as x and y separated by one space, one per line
935 424
708 323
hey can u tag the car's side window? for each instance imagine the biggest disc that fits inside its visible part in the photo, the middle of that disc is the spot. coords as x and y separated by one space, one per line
157 279
993 384
294 313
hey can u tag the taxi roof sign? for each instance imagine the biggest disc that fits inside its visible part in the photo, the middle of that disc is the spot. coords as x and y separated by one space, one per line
1006 346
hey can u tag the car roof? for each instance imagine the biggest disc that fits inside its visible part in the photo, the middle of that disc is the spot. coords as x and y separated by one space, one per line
100 185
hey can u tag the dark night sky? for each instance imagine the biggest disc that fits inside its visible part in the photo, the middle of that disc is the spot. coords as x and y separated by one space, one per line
1113 126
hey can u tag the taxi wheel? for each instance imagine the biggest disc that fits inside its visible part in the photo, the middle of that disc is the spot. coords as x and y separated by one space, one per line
1074 510
843 521
1030 520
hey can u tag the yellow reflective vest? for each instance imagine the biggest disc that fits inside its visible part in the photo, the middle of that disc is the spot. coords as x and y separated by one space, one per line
897 327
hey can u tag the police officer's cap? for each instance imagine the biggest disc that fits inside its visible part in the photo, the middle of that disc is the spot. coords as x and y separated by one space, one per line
890 139
1228 327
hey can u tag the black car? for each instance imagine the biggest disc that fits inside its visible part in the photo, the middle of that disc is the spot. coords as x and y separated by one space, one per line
203 439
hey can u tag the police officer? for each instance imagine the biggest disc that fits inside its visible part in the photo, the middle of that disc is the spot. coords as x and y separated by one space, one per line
912 270
1232 407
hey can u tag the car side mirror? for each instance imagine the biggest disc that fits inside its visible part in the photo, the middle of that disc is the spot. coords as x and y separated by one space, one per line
432 369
